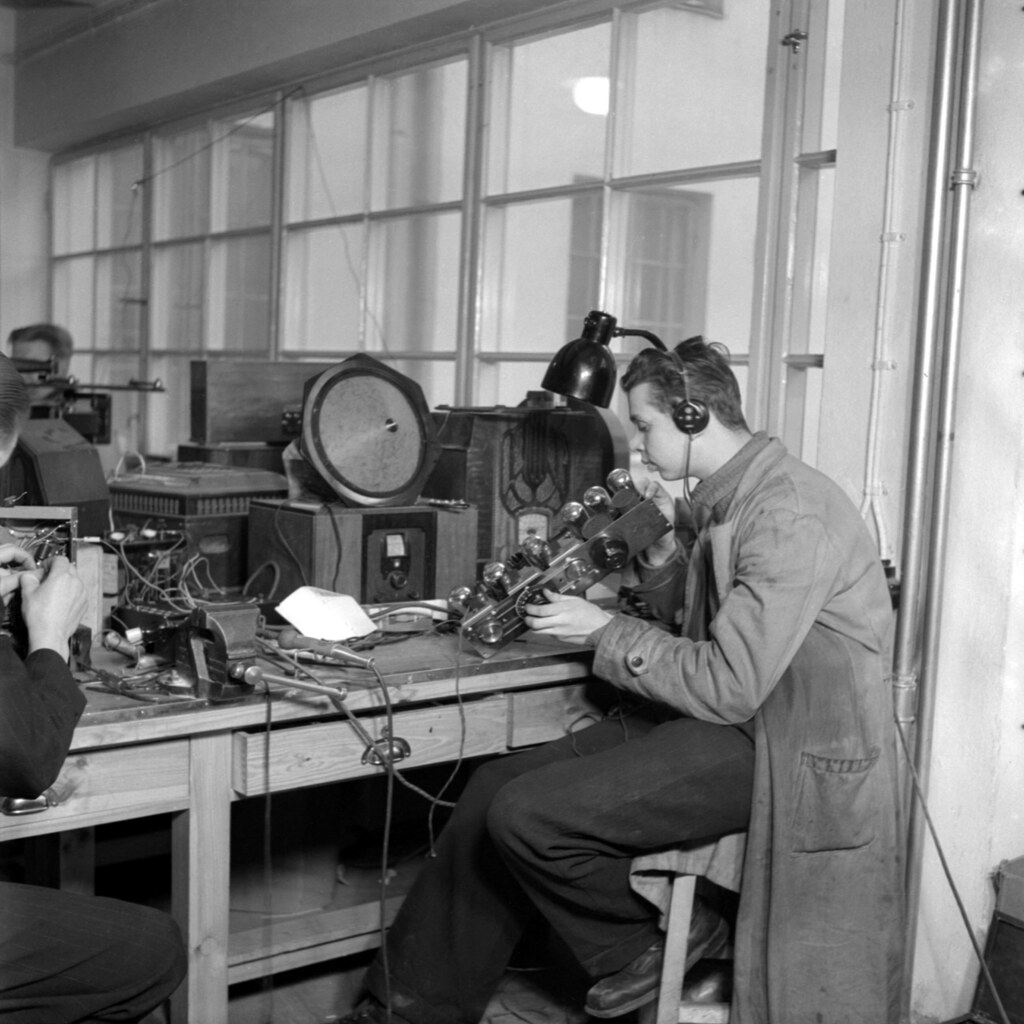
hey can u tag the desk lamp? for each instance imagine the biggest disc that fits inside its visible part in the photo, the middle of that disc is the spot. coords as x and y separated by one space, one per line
585 368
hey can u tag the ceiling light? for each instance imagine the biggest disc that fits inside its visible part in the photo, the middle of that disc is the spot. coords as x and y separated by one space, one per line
591 94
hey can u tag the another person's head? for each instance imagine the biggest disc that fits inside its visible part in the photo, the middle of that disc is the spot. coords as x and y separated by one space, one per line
14 406
42 342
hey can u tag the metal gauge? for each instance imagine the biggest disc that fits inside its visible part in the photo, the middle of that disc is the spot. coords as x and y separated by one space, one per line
532 523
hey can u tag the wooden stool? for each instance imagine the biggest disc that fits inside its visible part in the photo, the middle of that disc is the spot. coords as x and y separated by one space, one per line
668 880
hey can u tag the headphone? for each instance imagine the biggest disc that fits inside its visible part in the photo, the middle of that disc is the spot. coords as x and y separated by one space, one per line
689 415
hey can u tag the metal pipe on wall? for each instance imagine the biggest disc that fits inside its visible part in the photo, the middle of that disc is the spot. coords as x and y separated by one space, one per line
938 348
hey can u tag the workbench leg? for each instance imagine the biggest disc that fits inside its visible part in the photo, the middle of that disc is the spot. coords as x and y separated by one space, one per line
65 860
201 848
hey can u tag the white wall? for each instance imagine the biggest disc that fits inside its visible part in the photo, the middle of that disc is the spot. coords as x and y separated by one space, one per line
23 177
975 790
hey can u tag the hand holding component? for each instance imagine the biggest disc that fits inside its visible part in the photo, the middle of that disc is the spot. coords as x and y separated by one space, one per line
569 618
52 607
13 562
664 548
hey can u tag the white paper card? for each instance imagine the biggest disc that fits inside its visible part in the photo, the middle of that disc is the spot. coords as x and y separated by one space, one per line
325 615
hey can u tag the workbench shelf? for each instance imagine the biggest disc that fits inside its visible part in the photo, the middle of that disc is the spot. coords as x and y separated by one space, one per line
261 945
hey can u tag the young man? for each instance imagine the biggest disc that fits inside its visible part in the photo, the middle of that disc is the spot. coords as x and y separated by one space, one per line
763 705
63 957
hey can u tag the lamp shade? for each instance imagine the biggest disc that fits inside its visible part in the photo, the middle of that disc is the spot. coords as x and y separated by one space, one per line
585 368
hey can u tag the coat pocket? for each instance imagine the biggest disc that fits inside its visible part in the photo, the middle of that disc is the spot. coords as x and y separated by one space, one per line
834 808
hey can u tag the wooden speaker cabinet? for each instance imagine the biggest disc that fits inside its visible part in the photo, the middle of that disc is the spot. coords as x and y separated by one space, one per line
376 555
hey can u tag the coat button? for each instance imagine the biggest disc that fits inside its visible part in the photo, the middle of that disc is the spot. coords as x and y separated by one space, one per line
636 661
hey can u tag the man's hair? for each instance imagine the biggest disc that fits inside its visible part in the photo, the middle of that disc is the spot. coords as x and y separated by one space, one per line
695 369
58 338
14 402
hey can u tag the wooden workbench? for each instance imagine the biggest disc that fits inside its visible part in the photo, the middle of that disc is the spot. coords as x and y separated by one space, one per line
192 761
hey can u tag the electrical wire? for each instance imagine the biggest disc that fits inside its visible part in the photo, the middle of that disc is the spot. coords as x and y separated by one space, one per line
385 753
949 874
275 570
349 260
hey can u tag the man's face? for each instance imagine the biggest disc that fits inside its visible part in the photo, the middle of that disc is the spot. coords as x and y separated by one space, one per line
661 445
36 350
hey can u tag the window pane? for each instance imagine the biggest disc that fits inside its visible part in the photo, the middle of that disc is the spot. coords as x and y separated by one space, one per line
119 301
124 405
681 110
244 162
177 300
419 138
437 379
547 138
322 297
181 184
689 261
813 245
167 415
666 264
536 293
416 267
240 295
119 198
326 155
820 119
73 298
74 197
509 383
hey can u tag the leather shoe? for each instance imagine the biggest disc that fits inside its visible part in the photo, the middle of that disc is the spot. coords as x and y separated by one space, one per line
637 982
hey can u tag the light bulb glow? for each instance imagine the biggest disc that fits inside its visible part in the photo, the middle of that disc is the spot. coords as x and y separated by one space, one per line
591 95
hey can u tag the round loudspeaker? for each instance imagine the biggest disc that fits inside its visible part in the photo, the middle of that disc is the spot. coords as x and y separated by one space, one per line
367 431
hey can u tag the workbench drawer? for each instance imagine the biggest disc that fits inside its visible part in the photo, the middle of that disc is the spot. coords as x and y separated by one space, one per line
109 785
537 716
308 755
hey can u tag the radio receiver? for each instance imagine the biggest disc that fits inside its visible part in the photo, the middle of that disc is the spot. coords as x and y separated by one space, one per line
598 536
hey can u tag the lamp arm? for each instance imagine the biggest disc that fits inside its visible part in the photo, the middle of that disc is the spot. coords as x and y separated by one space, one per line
622 332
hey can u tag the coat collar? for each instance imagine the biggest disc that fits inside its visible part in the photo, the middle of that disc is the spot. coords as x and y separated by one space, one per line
713 496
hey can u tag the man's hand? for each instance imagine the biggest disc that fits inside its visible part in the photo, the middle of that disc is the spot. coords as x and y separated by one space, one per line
13 562
664 548
53 607
572 619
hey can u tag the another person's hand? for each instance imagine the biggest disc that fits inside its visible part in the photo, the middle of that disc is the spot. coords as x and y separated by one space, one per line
664 548
52 607
13 562
572 619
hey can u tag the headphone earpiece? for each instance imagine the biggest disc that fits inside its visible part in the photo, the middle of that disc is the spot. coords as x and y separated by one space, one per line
691 416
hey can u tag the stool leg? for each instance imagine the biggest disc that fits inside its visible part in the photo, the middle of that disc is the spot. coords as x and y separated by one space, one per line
665 1010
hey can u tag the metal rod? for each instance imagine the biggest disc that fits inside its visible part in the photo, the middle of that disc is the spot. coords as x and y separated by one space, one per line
964 31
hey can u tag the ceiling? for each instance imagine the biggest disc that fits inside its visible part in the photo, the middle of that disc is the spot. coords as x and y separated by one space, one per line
39 22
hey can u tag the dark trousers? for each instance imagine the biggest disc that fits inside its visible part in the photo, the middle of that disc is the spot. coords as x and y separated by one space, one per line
69 958
553 830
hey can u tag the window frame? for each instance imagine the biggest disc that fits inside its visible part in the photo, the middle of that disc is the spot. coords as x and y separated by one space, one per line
788 218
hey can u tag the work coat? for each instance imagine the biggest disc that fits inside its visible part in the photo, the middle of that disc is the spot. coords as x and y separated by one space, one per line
788 601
